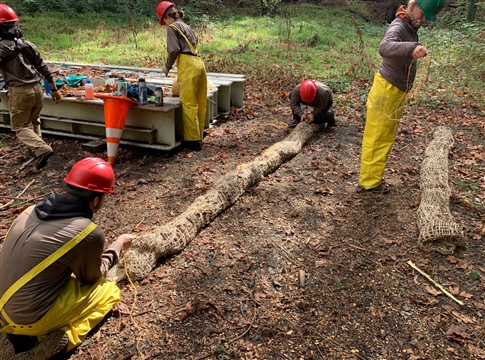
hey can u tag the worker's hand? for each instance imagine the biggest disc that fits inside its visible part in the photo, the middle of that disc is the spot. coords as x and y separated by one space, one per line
419 52
165 70
126 240
309 118
56 96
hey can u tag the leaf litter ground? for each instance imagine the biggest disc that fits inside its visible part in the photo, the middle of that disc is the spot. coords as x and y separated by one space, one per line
303 265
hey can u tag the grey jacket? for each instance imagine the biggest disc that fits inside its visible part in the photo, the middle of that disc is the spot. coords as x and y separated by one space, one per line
398 65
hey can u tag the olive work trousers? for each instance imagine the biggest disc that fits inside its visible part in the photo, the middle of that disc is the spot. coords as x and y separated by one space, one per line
25 105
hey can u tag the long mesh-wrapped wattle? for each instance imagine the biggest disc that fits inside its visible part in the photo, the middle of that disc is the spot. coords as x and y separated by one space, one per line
174 236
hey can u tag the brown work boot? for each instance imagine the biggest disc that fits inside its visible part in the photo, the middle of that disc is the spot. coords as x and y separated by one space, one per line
53 343
7 350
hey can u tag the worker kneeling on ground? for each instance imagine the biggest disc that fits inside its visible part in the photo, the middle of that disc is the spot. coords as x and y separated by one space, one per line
52 267
314 94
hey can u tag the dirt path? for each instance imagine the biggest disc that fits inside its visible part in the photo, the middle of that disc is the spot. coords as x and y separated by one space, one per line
303 266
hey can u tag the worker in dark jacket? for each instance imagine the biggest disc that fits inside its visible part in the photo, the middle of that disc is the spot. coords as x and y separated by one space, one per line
23 68
53 263
314 94
183 48
400 50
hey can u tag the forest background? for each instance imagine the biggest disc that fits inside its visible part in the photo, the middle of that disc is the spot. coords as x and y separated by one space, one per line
269 40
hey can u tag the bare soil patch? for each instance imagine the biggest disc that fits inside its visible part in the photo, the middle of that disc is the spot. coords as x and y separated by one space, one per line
304 265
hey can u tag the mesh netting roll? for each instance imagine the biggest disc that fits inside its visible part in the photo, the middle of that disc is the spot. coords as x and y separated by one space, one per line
437 229
174 236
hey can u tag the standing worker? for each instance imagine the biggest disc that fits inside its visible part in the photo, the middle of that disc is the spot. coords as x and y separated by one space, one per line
400 50
52 267
317 95
23 68
183 47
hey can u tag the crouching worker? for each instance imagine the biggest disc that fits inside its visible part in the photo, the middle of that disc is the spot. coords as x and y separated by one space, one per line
52 267
314 94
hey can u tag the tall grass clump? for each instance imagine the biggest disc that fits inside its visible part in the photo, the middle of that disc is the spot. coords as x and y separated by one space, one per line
302 41
454 71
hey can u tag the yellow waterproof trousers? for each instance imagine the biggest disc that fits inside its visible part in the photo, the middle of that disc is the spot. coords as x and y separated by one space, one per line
77 311
192 79
385 104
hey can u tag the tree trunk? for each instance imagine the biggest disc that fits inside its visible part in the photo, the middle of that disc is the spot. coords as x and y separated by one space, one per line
472 10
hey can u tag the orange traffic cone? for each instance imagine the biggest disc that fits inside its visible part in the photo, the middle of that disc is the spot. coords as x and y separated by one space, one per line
115 112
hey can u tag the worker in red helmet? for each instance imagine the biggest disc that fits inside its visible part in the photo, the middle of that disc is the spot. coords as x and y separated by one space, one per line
400 50
23 68
317 98
183 50
52 267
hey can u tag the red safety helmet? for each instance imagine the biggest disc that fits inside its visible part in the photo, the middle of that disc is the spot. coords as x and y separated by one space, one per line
92 174
7 15
162 9
308 91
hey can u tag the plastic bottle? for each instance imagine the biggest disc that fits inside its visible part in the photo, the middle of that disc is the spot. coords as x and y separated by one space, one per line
158 96
122 86
142 91
89 90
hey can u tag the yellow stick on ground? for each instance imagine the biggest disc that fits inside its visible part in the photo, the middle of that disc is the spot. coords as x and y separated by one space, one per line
434 282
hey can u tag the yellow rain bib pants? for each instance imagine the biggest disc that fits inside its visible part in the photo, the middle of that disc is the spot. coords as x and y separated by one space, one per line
76 311
192 79
385 105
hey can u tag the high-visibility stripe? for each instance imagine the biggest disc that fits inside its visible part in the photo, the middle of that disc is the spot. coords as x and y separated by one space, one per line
36 270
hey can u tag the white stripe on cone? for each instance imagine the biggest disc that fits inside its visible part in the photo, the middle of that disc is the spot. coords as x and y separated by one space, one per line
115 133
113 146
112 149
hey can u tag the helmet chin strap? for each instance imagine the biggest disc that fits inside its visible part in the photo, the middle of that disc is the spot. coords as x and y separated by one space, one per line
78 193
416 23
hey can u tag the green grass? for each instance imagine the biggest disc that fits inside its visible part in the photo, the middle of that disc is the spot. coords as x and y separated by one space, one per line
337 45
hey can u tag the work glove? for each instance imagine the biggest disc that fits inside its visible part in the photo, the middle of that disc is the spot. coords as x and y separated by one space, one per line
56 96
165 70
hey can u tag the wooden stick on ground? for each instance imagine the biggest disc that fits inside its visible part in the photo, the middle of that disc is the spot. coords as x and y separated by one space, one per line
446 292
25 164
18 196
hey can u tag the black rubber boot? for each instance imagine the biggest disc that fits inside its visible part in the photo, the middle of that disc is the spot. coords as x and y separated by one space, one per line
330 118
193 145
42 159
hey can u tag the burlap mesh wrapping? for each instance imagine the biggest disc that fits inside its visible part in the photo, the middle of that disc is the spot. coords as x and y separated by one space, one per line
174 236
437 229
